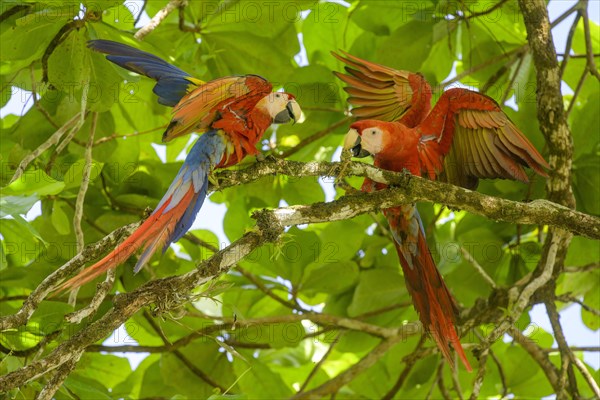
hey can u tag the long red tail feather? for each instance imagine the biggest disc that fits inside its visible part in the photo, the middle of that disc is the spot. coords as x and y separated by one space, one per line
432 300
156 225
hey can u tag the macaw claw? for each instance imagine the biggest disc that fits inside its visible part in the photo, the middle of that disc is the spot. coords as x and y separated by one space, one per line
345 159
214 181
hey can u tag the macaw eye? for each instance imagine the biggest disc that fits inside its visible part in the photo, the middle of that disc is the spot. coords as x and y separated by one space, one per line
373 132
277 95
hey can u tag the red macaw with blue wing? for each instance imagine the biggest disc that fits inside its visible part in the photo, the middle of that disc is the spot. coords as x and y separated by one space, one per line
230 114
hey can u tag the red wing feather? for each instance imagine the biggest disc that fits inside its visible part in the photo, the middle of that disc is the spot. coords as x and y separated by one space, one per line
199 109
371 87
478 140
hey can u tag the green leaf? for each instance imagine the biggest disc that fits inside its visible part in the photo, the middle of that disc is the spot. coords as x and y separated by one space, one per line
585 120
86 388
582 251
376 289
108 369
74 175
586 181
325 29
420 36
257 380
177 375
59 218
27 40
330 278
34 182
68 66
16 205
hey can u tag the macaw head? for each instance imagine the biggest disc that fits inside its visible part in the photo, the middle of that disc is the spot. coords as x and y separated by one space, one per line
281 107
368 137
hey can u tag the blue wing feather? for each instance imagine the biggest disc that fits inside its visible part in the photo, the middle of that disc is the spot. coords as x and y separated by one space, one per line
172 83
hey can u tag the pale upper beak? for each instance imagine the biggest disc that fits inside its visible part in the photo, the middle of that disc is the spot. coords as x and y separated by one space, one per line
292 112
352 143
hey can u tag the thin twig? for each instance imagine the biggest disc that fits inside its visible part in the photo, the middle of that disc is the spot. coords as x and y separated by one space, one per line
587 376
139 16
456 382
410 362
84 98
101 293
595 55
333 385
85 181
318 365
566 353
573 348
568 44
117 136
500 373
588 40
485 12
182 25
263 288
537 353
513 78
158 19
521 300
440 381
578 88
73 123
61 374
478 267
315 136
483 65
565 15
566 298
584 268
478 382
36 102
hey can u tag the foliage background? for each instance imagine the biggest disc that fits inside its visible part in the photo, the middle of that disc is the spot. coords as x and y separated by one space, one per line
338 269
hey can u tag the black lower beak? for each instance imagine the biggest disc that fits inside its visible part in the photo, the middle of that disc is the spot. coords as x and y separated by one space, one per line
359 152
286 115
290 111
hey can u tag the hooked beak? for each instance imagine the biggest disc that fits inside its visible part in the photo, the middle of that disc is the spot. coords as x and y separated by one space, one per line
352 143
292 112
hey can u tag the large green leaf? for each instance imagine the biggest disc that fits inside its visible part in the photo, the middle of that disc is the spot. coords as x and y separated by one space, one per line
376 289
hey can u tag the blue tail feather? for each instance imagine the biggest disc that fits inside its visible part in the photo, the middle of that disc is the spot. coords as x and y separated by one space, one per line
193 175
188 218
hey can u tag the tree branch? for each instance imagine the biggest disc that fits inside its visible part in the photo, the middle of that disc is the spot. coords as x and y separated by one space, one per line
410 189
168 293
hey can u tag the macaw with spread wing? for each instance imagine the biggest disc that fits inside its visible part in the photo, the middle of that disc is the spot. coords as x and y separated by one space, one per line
230 113
466 136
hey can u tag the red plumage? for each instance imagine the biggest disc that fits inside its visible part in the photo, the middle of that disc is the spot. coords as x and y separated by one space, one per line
465 137
230 113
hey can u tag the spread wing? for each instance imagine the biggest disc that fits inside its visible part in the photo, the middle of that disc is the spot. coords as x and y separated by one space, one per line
171 82
383 93
200 108
477 140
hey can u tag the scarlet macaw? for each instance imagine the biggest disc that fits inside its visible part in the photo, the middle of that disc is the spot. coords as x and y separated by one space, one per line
230 113
465 137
